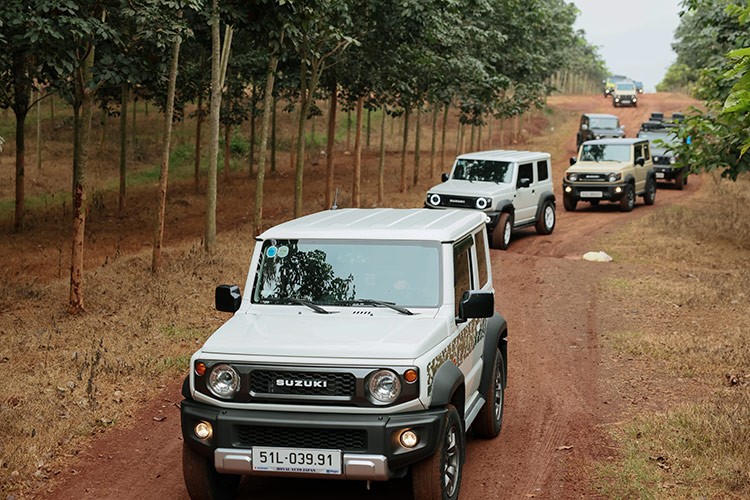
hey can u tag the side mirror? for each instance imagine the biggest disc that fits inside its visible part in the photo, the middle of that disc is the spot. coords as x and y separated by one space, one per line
444 177
476 304
584 126
228 298
640 161
573 160
524 182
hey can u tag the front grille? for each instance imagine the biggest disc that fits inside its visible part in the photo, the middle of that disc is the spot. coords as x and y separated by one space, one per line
457 201
292 437
302 383
592 177
661 160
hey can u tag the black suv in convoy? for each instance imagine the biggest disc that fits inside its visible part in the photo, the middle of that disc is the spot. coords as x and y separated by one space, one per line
599 126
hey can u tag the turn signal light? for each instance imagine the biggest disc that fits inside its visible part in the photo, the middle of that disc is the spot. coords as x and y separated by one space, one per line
411 375
200 368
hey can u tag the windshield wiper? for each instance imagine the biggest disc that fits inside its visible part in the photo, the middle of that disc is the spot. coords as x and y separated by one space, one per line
373 302
295 300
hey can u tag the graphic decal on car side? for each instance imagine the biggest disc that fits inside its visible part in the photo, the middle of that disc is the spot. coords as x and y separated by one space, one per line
458 349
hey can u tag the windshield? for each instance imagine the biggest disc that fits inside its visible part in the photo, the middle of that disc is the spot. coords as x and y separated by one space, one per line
600 122
625 86
605 152
483 170
335 272
666 137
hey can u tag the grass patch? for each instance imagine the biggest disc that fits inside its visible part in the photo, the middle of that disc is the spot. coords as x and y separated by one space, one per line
684 319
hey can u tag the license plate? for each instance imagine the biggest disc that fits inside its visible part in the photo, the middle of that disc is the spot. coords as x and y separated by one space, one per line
659 175
297 460
591 194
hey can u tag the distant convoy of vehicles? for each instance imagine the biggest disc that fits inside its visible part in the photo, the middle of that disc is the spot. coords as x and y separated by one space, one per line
623 90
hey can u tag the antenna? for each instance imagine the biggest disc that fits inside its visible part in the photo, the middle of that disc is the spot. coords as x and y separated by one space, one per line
335 197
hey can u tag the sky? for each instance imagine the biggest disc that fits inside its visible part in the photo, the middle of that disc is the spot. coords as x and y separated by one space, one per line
634 37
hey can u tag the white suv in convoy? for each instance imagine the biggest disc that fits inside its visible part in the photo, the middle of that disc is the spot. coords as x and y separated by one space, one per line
365 345
514 188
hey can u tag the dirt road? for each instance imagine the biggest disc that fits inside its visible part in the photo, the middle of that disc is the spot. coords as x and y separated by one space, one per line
556 406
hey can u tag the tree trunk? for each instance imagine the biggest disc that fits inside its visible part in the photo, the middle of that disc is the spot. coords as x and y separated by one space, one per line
38 131
209 241
433 140
103 125
490 119
227 155
348 129
164 174
479 137
83 131
417 146
273 135
381 163
253 101
268 101
404 144
442 132
369 122
197 173
330 144
20 169
502 133
357 174
134 132
472 137
124 90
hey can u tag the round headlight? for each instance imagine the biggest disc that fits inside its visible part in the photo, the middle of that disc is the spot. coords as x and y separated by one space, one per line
673 160
224 381
384 386
434 199
656 158
613 177
635 99
597 137
482 203
572 177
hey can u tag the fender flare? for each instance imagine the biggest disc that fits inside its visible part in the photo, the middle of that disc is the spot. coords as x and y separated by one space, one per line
544 197
448 380
496 338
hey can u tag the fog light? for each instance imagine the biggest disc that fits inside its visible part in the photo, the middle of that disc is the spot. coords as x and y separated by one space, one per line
409 439
618 189
203 430
568 189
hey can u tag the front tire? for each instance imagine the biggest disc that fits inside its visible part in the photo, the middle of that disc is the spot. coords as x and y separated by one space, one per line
501 233
649 197
201 479
679 181
569 203
439 476
489 420
627 202
545 223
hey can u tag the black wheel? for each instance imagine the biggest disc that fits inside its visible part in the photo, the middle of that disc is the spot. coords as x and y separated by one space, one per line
569 203
679 181
202 480
627 202
489 420
649 197
685 176
439 477
545 223
501 233
594 203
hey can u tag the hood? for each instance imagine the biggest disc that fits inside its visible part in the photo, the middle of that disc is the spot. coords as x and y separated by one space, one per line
472 188
597 167
351 333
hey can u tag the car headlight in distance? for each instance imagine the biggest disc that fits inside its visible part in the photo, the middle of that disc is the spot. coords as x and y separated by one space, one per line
384 386
673 160
597 137
656 158
224 381
483 203
433 199
573 177
635 99
614 177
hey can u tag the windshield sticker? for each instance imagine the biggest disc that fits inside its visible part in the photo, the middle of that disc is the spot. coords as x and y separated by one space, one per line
283 251
271 252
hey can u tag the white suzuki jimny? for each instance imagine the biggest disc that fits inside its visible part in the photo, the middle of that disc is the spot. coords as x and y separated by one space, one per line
365 344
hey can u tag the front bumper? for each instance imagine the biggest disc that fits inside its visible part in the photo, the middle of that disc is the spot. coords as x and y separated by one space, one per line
666 172
588 191
369 444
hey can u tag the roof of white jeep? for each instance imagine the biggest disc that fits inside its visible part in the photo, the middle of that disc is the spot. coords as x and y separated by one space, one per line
623 140
380 224
505 155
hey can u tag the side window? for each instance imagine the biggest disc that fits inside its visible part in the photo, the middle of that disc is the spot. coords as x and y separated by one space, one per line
461 270
481 258
542 170
646 152
638 151
525 171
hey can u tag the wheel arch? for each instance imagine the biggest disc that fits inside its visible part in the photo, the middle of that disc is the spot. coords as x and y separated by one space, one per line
496 338
448 388
543 198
